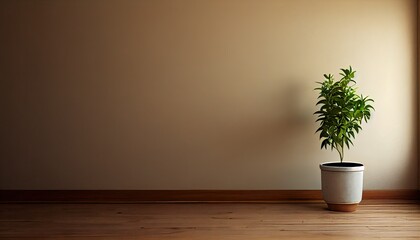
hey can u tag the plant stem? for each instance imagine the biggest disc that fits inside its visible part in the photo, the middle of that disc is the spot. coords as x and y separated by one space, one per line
341 153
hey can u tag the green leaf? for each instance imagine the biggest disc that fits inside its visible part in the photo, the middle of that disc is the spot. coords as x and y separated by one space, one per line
324 144
323 101
319 112
347 143
351 133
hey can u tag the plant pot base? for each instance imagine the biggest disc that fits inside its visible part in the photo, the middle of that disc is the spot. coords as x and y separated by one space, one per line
342 207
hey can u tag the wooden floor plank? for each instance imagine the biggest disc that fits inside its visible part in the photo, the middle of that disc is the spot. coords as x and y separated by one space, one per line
302 220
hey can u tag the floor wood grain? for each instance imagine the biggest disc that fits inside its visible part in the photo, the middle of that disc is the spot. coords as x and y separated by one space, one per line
291 220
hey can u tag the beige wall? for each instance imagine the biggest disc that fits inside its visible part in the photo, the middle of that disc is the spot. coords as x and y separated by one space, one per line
205 94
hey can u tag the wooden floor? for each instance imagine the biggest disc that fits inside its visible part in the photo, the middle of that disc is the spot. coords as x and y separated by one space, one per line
297 220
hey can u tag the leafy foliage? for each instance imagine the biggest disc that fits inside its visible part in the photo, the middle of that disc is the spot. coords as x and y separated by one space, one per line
341 111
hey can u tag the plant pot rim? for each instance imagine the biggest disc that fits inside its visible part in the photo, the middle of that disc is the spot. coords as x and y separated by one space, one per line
358 168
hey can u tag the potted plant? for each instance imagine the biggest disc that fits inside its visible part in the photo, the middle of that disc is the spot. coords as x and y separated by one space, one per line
340 116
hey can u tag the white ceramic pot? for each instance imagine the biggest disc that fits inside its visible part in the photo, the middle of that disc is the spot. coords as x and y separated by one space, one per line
342 185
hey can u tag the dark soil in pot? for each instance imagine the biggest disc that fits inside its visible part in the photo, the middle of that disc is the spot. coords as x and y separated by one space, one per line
343 164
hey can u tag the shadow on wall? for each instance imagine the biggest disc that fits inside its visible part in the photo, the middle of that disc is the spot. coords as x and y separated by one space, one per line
280 134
